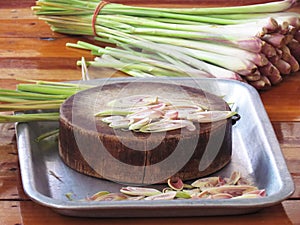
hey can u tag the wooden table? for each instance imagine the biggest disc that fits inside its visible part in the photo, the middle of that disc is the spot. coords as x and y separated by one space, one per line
28 49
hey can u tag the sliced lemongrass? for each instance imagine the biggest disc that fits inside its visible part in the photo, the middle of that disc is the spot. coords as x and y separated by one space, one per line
137 125
110 197
210 116
97 195
121 124
206 182
137 191
148 113
110 119
235 190
167 125
113 112
171 114
134 101
175 183
162 196
183 194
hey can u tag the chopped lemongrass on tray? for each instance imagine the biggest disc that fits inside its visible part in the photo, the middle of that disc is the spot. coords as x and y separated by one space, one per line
214 187
257 44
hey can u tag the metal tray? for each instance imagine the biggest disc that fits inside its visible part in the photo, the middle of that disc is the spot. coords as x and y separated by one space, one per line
256 154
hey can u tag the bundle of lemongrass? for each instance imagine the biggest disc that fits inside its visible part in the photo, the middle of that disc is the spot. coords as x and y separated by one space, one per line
258 44
33 97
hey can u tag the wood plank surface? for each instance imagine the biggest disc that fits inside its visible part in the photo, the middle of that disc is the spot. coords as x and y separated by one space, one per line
29 49
27 212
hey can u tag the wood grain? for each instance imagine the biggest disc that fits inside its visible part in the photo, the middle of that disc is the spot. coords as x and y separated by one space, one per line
29 49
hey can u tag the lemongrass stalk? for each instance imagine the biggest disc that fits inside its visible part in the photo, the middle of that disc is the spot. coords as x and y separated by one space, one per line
240 66
52 133
20 95
9 107
29 117
11 99
47 89
33 102
53 83
133 66
83 6
121 54
256 58
208 68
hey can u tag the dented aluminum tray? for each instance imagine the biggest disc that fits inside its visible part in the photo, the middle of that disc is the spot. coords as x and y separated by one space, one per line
256 154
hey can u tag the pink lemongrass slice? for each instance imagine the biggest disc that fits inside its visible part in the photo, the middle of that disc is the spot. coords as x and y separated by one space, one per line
139 124
210 116
220 196
171 114
148 113
134 101
234 190
252 194
139 191
234 177
121 124
111 197
175 183
110 119
169 195
206 182
167 125
95 196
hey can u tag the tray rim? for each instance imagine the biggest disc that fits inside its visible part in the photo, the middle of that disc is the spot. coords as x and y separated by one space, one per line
287 188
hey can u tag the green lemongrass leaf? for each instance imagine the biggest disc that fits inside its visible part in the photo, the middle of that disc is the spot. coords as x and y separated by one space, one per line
210 116
46 89
113 112
46 135
34 102
253 8
58 84
10 107
26 95
29 117
11 99
183 194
